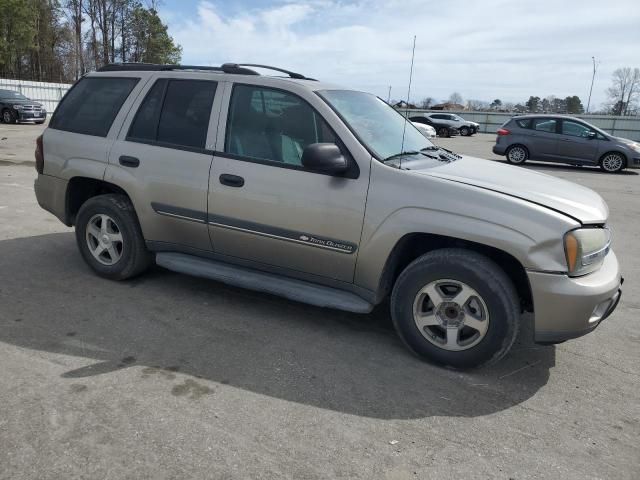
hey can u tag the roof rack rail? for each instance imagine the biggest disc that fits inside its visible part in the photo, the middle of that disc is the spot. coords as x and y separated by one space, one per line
291 74
232 68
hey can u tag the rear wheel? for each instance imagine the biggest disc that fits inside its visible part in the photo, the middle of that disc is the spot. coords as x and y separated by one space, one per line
612 162
456 307
110 239
517 154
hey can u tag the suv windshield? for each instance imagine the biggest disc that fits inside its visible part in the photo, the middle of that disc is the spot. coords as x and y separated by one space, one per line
11 95
376 124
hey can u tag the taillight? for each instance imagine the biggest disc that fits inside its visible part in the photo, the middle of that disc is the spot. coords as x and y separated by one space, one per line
503 131
39 155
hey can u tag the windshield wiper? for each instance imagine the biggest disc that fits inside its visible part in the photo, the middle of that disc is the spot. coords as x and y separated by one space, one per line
402 154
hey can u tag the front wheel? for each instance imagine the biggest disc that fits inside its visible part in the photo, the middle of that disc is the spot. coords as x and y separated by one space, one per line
456 307
110 239
612 162
7 116
465 131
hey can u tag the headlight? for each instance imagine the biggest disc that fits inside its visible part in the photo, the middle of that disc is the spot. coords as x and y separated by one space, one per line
585 249
18 107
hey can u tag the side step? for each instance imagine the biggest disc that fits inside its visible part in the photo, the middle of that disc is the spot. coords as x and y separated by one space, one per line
291 288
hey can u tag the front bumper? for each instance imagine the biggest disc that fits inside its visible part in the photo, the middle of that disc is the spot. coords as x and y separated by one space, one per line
569 307
29 116
634 162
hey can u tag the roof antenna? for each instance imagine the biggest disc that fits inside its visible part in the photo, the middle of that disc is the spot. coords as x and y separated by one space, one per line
406 113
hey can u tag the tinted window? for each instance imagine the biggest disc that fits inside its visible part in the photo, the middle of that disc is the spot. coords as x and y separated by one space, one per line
273 125
175 112
575 129
92 104
145 124
544 125
439 117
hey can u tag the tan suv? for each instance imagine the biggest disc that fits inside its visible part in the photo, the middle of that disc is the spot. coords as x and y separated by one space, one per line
323 195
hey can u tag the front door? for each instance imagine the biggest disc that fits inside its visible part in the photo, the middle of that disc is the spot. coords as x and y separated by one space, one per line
577 143
162 159
265 207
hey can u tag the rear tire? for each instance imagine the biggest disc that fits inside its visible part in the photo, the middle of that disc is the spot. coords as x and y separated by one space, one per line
613 162
485 322
109 237
517 154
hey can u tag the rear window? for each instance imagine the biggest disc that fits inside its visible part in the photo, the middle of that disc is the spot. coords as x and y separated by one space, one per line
92 104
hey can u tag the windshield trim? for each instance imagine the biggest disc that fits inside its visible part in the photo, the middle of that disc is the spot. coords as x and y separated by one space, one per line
372 152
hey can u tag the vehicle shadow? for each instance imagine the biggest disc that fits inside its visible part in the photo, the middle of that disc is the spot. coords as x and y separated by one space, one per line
163 323
554 167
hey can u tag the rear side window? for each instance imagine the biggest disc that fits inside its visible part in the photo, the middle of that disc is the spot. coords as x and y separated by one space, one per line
524 123
92 104
545 125
175 113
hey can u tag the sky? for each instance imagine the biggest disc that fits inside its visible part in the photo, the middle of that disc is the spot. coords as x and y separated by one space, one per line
506 49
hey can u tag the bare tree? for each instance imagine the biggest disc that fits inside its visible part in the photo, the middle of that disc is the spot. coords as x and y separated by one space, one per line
426 103
455 97
624 90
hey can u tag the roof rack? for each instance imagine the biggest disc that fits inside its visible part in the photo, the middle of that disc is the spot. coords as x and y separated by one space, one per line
232 68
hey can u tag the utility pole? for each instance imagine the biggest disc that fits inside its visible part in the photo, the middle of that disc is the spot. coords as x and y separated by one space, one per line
389 95
593 77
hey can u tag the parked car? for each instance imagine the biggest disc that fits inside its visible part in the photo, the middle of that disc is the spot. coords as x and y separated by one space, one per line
427 130
465 127
322 195
442 129
564 139
15 107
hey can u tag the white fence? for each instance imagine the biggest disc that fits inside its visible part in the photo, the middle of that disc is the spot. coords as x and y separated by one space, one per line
48 94
627 127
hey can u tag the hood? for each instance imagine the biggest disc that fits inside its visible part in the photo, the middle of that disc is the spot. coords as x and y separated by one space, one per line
571 199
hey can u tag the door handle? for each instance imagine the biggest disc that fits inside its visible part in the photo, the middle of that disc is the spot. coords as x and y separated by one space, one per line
231 180
127 161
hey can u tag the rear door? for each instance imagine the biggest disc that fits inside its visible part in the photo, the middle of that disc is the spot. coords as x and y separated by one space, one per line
575 143
162 159
543 143
264 206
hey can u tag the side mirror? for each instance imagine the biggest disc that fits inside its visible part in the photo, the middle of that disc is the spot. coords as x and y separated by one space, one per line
591 135
324 158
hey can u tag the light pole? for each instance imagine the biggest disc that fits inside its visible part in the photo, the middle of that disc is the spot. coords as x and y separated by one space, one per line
389 95
593 77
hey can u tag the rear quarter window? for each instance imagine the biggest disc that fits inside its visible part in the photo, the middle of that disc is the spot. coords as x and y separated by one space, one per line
524 123
92 104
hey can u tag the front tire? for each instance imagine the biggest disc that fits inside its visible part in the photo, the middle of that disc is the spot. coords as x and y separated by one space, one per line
456 307
613 162
517 154
7 116
465 131
109 237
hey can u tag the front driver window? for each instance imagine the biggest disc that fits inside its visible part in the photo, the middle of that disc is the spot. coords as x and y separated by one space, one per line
272 125
575 129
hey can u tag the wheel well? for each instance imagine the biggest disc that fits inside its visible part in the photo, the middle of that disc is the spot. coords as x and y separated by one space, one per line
81 189
413 245
624 157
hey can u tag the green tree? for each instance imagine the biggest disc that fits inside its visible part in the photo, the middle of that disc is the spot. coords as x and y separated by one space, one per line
573 105
533 104
150 41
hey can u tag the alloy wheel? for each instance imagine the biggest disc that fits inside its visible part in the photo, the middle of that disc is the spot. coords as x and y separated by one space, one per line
451 315
104 239
517 155
612 162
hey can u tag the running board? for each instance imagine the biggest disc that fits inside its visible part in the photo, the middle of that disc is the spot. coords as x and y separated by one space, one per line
291 288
